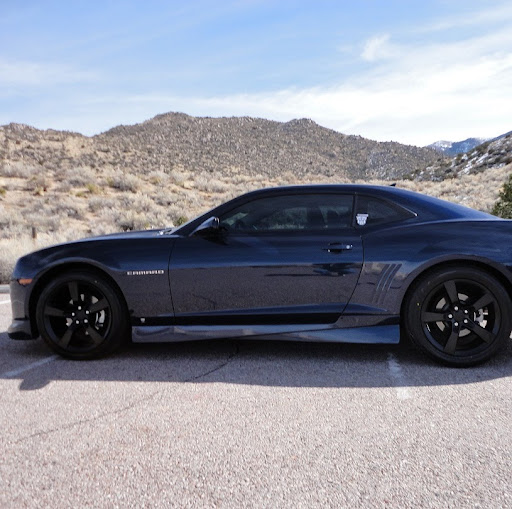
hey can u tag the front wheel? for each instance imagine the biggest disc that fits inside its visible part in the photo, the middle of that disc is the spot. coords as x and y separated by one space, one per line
461 317
80 316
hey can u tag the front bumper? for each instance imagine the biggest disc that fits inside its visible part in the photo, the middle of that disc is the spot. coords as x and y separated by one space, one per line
20 329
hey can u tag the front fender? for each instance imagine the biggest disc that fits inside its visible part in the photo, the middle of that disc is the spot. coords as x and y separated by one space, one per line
138 267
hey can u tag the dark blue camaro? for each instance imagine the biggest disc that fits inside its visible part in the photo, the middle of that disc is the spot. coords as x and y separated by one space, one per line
341 263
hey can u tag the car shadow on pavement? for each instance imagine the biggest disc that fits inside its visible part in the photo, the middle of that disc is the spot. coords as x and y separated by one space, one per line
249 362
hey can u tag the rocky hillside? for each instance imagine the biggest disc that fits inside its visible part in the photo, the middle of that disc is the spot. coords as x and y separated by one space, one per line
495 153
251 146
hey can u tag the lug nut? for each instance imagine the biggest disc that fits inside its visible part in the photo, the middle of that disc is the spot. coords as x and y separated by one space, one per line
450 316
77 322
86 321
465 320
79 308
466 311
72 314
456 308
87 312
456 324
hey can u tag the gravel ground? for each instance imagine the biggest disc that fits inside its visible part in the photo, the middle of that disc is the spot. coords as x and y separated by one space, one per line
252 424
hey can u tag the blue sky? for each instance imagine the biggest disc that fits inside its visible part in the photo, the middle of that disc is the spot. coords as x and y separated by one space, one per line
409 71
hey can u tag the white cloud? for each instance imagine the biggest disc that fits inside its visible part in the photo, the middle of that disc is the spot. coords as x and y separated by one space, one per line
24 74
498 13
377 48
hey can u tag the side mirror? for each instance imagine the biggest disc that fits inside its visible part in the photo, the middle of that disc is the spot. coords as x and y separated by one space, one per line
209 227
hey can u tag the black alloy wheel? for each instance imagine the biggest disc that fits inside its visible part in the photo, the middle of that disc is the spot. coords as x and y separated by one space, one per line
80 316
461 317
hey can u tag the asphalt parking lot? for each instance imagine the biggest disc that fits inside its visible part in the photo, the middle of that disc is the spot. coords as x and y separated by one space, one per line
252 424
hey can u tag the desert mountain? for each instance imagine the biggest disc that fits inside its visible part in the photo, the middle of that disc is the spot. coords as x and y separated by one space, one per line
251 146
495 153
452 148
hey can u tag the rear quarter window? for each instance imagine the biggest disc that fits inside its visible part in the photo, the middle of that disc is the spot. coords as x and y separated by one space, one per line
373 211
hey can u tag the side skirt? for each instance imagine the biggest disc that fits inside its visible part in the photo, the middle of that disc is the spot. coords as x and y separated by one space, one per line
378 334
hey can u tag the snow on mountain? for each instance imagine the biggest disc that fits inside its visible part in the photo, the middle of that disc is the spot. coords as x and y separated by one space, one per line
452 148
494 153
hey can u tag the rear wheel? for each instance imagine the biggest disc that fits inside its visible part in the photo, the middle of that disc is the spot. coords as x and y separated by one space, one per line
80 316
461 317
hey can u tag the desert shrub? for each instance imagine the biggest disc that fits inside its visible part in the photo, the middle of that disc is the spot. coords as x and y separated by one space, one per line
124 181
10 251
17 170
162 198
78 177
119 219
131 220
180 220
64 187
138 203
38 184
158 177
93 188
503 206
134 212
178 177
98 203
166 198
126 220
43 222
99 227
482 148
11 223
70 210
210 184
287 178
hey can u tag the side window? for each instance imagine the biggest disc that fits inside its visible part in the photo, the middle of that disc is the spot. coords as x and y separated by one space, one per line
371 211
320 212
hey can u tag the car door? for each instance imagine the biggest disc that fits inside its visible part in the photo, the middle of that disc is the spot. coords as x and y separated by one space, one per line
276 259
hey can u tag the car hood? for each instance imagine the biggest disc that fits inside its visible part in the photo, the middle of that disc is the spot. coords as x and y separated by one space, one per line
100 250
130 235
142 234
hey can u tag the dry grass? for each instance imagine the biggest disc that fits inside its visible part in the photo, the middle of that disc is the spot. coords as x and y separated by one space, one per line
11 249
478 191
65 205
17 169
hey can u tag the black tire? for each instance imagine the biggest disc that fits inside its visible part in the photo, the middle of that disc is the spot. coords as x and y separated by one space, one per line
460 317
81 316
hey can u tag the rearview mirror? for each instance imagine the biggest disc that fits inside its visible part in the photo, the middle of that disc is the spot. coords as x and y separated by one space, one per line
208 227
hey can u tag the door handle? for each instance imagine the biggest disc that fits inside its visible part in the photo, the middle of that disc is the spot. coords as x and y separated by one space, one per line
337 247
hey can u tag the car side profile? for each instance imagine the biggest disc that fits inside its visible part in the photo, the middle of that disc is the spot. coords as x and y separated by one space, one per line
339 263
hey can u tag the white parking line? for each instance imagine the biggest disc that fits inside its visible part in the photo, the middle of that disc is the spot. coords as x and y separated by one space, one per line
5 301
16 372
398 377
